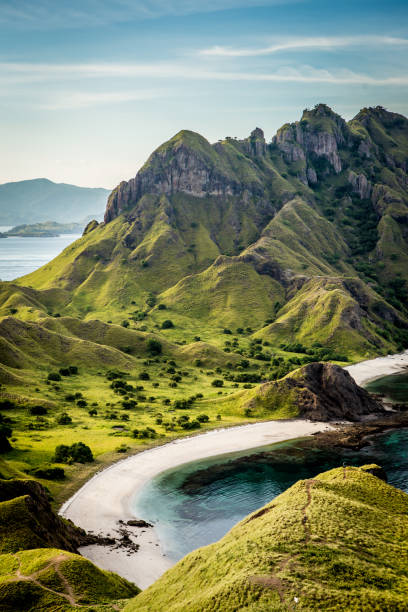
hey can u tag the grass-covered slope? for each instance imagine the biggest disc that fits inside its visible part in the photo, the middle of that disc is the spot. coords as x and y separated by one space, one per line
38 570
334 542
54 580
218 268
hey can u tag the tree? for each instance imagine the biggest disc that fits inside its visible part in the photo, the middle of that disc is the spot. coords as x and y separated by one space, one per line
54 376
5 434
64 419
154 347
77 452
167 324
38 410
217 382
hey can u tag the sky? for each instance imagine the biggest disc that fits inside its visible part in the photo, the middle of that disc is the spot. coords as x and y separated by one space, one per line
89 88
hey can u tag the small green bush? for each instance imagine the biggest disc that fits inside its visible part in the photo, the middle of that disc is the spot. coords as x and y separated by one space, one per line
154 347
48 472
77 452
64 419
55 376
217 382
38 410
167 324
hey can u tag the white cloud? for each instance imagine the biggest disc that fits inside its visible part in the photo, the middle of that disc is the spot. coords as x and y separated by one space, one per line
54 74
47 14
78 100
318 42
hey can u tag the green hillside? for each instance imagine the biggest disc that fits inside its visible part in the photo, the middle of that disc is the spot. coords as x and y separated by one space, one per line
218 268
334 542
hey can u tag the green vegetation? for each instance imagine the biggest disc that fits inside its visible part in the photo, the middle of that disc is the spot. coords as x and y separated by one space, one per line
333 542
282 255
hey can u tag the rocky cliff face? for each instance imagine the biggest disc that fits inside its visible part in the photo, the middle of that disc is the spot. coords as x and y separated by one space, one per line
33 521
320 392
326 392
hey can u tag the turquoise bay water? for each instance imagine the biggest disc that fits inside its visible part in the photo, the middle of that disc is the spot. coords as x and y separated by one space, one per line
19 256
186 519
394 387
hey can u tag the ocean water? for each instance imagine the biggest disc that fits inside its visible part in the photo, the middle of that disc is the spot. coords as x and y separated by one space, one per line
394 387
19 256
201 514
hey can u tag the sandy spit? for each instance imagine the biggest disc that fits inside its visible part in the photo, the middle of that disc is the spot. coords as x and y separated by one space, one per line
365 371
107 497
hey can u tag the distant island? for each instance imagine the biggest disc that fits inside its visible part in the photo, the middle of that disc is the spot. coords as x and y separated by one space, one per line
48 229
38 200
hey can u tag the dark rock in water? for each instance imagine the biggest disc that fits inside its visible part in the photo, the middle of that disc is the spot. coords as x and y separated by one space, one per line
138 523
376 470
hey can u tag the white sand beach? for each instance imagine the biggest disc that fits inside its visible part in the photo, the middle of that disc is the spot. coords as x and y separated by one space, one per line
107 497
366 371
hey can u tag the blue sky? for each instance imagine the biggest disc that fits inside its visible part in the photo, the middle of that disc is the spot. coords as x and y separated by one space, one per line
90 87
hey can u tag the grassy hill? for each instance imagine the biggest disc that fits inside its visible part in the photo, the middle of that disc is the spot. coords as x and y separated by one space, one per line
333 542
218 268
39 569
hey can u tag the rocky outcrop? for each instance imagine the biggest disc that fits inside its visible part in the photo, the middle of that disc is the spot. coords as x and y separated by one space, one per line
185 164
90 227
327 392
255 145
320 392
360 185
319 134
37 525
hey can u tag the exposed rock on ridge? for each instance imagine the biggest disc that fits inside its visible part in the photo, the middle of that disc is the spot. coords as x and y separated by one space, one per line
322 392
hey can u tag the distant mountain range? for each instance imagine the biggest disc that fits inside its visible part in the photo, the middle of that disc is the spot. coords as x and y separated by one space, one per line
40 200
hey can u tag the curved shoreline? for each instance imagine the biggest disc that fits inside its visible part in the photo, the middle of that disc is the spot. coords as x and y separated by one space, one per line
109 493
366 371
106 498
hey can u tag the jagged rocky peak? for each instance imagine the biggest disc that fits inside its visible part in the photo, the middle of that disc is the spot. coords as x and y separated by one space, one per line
379 113
318 134
255 144
186 163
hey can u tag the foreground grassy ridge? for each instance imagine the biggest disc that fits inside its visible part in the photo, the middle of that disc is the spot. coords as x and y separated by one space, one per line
336 542
55 580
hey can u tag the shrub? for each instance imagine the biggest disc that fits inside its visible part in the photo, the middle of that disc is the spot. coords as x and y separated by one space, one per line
38 410
73 370
77 452
167 324
129 404
92 412
226 331
48 472
81 403
203 418
161 307
144 376
70 397
64 372
64 419
154 347
123 448
217 382
125 324
114 374
54 376
148 432
5 433
7 405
